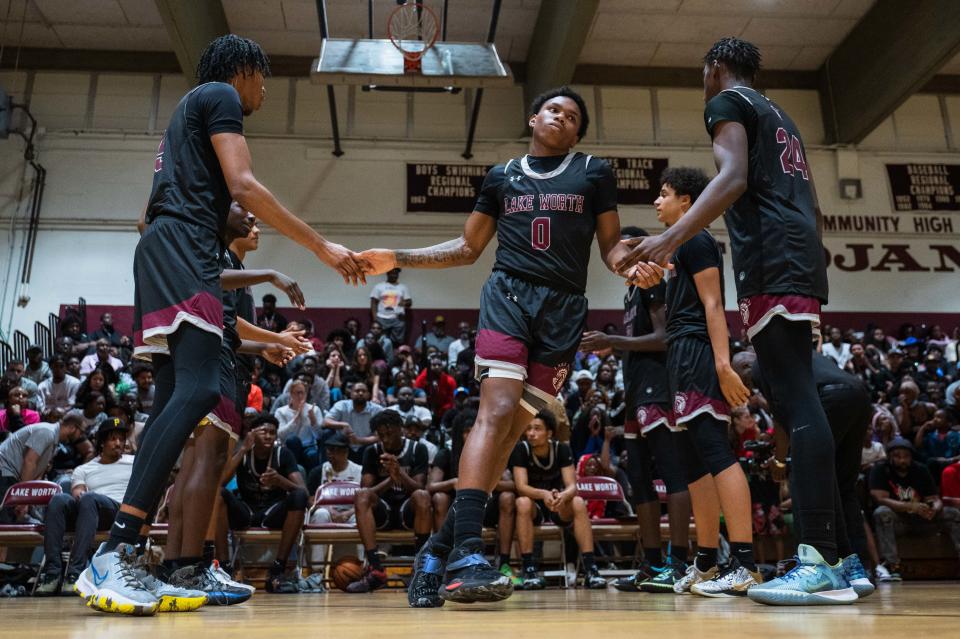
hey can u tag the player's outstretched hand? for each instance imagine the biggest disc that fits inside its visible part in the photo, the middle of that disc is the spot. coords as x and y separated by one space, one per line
594 341
732 387
277 354
645 274
654 248
295 341
289 286
379 261
344 261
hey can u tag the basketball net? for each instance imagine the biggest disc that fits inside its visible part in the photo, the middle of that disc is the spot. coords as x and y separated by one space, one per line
413 29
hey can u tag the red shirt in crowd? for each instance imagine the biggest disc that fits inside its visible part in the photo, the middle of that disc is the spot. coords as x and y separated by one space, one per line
950 482
439 392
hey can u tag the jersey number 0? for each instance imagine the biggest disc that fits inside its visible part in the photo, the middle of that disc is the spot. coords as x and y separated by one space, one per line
540 233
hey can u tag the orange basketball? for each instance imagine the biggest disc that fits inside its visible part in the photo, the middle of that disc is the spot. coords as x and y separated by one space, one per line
345 571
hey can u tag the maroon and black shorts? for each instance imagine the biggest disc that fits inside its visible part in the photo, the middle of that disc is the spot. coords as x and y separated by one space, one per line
176 276
528 332
647 417
757 311
227 415
693 381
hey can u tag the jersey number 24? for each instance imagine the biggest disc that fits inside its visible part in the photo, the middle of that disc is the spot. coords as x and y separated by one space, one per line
791 158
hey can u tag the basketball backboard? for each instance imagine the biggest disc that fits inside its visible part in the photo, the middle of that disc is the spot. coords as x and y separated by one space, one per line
367 62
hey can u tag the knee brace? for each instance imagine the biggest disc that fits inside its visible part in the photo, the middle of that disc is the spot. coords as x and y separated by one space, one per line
710 439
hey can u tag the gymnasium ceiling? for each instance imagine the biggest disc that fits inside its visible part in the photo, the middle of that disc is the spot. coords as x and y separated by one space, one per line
619 41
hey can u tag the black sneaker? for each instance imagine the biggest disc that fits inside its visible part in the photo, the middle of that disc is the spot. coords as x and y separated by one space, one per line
593 580
198 577
470 578
370 581
282 584
632 583
428 568
48 586
531 580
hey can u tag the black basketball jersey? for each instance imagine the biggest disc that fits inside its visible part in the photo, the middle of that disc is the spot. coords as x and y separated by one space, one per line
244 307
230 299
545 473
685 312
188 182
412 459
773 226
644 373
546 210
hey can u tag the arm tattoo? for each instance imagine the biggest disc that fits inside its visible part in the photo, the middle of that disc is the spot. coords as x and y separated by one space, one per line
452 253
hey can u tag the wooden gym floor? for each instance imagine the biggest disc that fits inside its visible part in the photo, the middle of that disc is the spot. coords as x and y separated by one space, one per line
899 610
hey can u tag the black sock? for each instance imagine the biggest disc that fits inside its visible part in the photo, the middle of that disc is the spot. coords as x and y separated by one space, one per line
469 504
588 561
653 556
504 559
706 558
679 554
444 536
188 561
528 565
744 554
126 529
209 552
278 567
373 557
421 540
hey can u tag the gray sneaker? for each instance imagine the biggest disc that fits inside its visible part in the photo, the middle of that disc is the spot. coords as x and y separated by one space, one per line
733 581
110 584
172 598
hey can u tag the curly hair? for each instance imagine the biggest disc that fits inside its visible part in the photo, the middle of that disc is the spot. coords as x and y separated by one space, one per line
740 56
563 92
685 180
229 56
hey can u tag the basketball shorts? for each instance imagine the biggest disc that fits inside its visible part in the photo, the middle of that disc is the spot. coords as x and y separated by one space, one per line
645 418
757 311
241 515
227 415
542 514
176 276
529 333
393 513
693 381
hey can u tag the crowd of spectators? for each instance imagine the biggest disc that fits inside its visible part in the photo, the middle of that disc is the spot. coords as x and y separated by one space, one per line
319 419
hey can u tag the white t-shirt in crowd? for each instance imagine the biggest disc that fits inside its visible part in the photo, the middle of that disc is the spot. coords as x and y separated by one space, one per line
353 472
422 413
53 395
840 355
873 454
109 480
390 298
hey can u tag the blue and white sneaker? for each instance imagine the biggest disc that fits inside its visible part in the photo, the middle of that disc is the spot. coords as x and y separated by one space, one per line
813 582
428 568
856 576
199 577
172 598
110 584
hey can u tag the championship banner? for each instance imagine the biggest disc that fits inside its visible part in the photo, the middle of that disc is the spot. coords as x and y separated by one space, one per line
925 187
638 179
444 188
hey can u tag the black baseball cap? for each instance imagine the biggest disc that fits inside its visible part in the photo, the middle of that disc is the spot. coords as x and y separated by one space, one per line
337 441
113 424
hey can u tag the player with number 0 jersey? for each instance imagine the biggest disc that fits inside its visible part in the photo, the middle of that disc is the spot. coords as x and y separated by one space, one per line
545 209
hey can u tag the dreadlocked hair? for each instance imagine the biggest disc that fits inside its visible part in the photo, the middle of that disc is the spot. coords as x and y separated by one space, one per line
740 56
229 56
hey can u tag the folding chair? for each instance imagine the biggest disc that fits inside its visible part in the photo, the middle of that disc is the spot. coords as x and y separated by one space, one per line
336 493
607 489
27 493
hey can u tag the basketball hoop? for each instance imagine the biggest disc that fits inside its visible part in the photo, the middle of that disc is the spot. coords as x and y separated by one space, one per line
413 29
